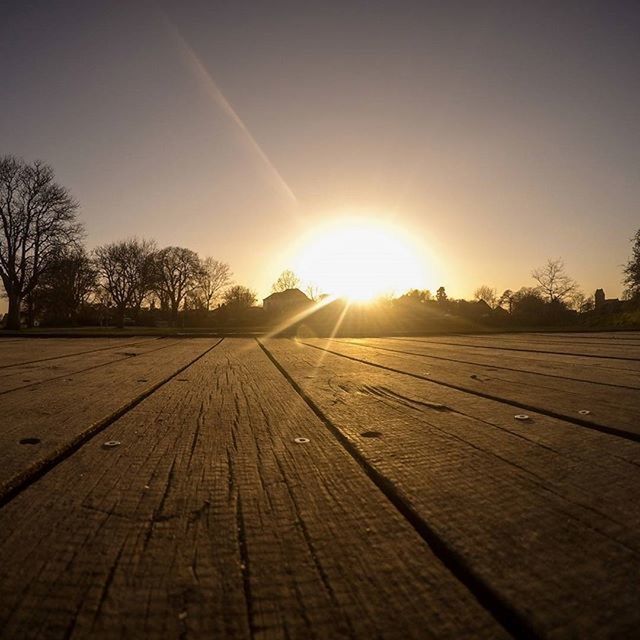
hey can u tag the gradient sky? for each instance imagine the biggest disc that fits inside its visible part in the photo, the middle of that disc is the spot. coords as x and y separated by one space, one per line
499 134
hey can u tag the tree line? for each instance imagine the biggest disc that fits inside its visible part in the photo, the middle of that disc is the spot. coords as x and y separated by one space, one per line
47 271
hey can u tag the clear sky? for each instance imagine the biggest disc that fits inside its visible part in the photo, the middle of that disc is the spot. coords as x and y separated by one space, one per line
497 134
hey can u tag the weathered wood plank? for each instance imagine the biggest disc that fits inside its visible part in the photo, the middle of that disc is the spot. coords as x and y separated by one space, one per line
27 351
69 367
552 529
598 370
578 337
605 364
211 521
610 408
605 350
43 422
616 335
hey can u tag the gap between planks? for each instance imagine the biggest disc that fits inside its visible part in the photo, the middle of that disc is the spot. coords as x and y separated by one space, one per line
541 539
82 370
78 353
509 617
298 518
41 467
589 424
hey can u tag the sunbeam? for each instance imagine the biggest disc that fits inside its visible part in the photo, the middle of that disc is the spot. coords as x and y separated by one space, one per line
209 85
289 322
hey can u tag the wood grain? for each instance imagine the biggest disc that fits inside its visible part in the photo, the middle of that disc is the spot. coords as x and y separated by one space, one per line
551 530
601 370
610 408
71 366
211 521
601 349
26 351
43 422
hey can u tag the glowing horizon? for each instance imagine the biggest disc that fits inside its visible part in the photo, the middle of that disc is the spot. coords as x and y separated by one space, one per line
360 259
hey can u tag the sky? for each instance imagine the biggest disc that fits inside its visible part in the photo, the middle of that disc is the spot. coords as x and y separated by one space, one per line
495 134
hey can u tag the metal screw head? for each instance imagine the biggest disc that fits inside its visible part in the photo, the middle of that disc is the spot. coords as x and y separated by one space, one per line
301 440
521 416
584 412
110 444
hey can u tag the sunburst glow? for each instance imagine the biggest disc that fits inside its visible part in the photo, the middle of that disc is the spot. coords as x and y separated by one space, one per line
360 260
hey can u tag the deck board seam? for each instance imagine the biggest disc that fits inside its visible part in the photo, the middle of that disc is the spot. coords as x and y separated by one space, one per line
492 366
556 353
95 366
78 353
594 426
503 613
31 475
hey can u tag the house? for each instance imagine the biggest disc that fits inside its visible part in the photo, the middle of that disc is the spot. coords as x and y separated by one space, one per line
603 304
290 300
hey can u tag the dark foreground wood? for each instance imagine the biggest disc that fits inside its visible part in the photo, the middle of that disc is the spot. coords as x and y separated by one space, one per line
244 488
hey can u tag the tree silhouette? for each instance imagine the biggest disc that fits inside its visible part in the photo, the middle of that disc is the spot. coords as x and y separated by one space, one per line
37 221
214 276
313 292
126 272
528 305
66 285
488 294
553 282
177 273
632 269
239 297
419 295
441 295
506 300
286 280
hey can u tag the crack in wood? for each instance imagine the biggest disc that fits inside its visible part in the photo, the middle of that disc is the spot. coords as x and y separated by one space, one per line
595 426
502 611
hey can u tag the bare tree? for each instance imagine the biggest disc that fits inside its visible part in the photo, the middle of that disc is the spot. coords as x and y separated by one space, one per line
581 303
553 282
313 292
239 297
213 278
126 273
488 294
286 280
177 272
67 284
37 220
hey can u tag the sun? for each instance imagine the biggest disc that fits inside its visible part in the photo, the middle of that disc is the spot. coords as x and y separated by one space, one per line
360 260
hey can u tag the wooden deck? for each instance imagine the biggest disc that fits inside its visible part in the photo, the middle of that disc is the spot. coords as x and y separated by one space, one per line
352 488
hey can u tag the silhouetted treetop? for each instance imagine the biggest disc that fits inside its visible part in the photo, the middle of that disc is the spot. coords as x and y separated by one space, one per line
286 280
239 297
553 282
67 284
418 295
177 271
127 273
37 221
486 293
505 300
632 269
213 278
